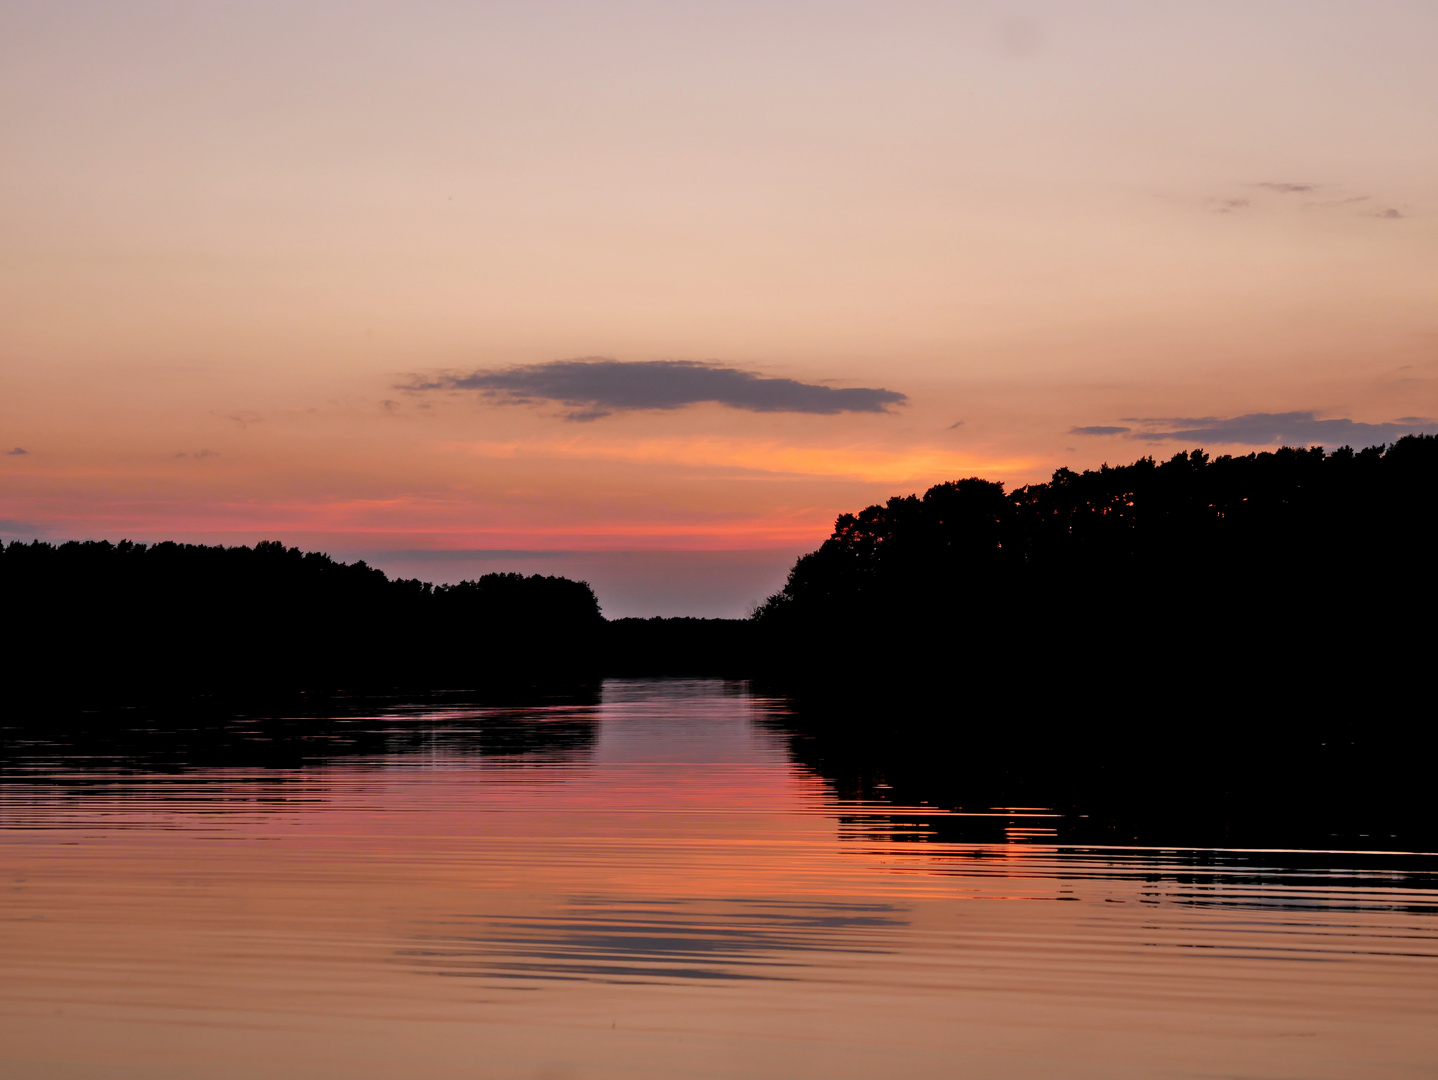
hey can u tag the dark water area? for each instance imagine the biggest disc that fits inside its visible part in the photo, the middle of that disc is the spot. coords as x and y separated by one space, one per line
668 877
1236 780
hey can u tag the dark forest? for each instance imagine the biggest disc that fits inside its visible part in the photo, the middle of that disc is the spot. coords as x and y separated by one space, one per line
1189 585
1280 581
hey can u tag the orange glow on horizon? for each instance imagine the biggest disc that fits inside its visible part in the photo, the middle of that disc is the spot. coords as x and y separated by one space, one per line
870 464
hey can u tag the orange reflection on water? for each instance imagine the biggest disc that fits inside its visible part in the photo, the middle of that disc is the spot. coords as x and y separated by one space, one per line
668 896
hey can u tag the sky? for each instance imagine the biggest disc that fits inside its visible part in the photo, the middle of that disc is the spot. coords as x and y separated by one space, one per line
648 293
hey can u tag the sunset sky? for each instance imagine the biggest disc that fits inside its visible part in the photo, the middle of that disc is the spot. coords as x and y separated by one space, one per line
325 272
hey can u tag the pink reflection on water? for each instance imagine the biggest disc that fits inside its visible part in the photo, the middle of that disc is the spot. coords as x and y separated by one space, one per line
671 898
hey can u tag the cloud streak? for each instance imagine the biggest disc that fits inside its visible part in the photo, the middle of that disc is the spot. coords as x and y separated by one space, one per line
1267 429
19 530
595 387
1268 196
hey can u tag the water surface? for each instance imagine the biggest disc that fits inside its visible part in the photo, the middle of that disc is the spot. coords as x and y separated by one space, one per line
650 886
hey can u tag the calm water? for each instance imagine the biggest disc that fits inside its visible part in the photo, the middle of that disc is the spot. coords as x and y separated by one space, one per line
650 887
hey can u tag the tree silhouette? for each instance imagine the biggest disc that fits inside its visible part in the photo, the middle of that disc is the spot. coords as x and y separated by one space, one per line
1271 576
116 621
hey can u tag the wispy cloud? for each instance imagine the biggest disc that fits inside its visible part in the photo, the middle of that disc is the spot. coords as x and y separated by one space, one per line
1287 188
244 418
595 387
11 529
1268 429
19 451
1099 429
198 454
1292 196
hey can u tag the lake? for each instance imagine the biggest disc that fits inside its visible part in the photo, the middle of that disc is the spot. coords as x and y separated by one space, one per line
651 885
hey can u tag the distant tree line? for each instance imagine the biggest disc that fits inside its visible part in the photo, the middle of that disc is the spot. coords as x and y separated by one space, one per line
1277 578
1280 581
120 621
680 646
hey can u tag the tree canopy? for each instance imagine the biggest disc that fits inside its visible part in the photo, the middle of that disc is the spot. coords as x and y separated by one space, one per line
1231 559
127 617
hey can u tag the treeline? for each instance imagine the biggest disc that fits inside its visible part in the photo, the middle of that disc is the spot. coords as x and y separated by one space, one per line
681 646
1286 581
1289 579
116 622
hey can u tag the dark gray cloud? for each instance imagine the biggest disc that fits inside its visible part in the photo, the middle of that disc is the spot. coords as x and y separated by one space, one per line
1288 429
594 387
19 450
955 425
1099 429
